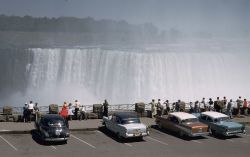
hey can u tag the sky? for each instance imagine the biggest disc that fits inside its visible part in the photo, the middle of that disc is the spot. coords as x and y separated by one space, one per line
186 15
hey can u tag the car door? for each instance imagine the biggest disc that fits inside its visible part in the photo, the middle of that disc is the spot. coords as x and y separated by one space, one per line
175 124
108 122
171 123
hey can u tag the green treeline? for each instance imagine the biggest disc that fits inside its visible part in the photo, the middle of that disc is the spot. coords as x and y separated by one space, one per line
71 24
63 31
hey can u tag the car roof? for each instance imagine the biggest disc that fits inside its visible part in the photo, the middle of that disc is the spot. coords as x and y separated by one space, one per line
52 116
182 115
124 115
214 114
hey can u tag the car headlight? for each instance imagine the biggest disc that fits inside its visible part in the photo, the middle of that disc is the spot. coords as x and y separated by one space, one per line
46 134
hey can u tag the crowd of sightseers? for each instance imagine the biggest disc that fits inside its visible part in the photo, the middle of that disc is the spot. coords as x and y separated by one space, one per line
69 111
224 106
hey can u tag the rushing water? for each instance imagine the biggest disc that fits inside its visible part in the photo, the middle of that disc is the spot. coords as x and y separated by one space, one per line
127 76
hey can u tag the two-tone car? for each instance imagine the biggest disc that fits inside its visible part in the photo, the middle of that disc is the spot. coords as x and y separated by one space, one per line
221 124
53 127
125 125
184 124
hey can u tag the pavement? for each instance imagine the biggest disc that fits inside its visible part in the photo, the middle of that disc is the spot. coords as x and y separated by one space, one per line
84 125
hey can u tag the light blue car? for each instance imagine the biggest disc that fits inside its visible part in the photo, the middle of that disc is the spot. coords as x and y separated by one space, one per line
221 124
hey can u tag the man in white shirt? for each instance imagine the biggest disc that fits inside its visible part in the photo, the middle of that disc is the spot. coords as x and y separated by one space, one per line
30 110
83 114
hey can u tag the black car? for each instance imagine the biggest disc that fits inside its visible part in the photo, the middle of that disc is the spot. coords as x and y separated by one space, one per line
53 127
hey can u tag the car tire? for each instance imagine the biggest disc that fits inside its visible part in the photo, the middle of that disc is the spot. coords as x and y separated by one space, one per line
213 132
181 134
120 138
160 126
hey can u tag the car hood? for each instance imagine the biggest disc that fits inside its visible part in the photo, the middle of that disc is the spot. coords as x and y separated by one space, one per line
135 126
230 124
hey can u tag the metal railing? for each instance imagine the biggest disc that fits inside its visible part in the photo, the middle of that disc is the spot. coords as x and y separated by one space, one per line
89 108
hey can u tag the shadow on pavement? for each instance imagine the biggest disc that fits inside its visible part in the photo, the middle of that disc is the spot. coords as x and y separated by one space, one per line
36 136
113 136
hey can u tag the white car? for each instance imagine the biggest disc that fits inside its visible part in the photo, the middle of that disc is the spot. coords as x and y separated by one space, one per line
125 125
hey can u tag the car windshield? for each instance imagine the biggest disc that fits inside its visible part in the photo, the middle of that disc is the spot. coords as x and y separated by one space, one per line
131 121
55 122
222 119
189 120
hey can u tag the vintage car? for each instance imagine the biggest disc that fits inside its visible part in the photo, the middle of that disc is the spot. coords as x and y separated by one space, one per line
53 127
221 124
182 123
125 125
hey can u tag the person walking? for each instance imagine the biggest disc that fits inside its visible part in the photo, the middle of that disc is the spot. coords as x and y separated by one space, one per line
105 108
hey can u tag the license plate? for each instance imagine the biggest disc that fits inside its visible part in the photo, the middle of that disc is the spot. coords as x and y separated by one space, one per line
137 134
200 130
58 132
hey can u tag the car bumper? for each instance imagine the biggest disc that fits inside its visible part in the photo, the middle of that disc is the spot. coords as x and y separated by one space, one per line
232 133
56 139
136 135
198 134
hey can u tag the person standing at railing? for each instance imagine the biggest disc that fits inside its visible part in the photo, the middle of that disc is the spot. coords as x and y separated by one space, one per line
167 106
105 108
239 104
153 108
224 104
202 105
210 102
25 112
159 107
229 108
64 113
70 112
31 109
36 109
196 107
245 107
77 107
83 113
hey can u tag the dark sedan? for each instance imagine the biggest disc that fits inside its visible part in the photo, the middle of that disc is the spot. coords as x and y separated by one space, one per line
53 127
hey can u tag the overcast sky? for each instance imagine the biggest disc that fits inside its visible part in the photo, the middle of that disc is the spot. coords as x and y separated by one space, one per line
187 15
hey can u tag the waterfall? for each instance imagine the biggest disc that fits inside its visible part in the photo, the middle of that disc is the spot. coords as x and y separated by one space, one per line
127 76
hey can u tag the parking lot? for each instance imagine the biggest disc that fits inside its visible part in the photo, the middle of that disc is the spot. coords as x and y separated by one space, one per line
104 143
